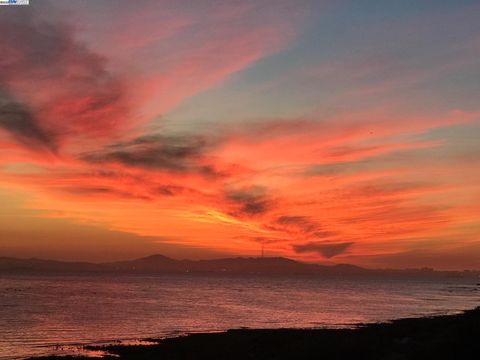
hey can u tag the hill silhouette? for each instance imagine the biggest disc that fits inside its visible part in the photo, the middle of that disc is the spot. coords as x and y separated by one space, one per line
160 264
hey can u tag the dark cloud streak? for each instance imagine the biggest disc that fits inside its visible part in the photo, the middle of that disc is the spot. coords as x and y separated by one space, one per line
251 201
181 154
326 249
22 125
80 97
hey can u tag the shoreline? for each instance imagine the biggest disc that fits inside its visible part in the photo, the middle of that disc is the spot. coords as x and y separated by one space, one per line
438 337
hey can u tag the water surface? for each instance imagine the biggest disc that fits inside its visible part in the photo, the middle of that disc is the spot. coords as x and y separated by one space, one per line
44 314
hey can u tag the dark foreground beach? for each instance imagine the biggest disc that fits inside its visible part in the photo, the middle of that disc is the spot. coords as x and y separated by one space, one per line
439 337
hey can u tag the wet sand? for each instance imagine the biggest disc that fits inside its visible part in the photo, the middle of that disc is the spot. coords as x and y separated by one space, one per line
440 337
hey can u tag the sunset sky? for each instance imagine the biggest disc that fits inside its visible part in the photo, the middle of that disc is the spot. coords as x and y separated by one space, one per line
324 131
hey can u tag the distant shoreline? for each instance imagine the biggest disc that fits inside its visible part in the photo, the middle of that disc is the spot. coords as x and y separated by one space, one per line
159 264
436 337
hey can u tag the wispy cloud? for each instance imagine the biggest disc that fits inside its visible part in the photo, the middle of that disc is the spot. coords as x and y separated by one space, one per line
19 121
183 154
249 201
56 88
327 250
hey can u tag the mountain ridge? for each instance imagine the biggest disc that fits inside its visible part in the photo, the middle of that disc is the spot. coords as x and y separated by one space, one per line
160 264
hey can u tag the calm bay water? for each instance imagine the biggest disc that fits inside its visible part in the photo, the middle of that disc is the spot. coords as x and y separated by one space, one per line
40 314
